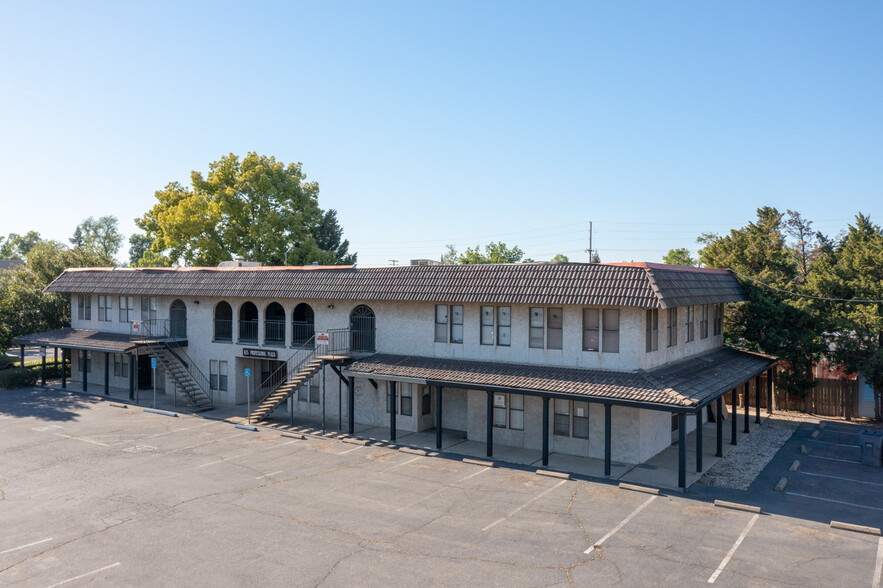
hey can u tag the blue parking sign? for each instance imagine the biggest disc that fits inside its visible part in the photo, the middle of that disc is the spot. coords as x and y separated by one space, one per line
153 362
247 372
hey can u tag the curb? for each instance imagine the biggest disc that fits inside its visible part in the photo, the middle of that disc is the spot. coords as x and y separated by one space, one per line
737 506
804 450
855 528
251 428
479 462
781 485
163 412
634 488
795 466
554 474
413 450
118 405
354 441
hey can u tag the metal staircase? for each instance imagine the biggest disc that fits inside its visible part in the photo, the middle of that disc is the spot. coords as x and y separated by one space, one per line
288 387
188 379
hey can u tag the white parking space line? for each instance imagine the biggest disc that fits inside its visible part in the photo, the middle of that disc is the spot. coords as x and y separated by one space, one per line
733 549
839 478
832 500
208 442
232 457
879 569
832 458
84 575
440 490
24 546
523 506
268 475
621 525
404 463
830 443
357 447
82 439
185 429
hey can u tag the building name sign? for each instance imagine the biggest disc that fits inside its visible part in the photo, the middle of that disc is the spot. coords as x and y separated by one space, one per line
261 353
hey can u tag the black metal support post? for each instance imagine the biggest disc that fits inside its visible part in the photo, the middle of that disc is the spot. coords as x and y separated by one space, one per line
392 410
85 372
56 359
43 368
132 367
757 399
545 430
608 422
769 391
351 410
747 407
63 368
682 450
490 424
734 414
720 427
438 417
699 441
106 373
21 351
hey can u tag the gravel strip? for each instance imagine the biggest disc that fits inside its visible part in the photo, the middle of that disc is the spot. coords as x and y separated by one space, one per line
738 468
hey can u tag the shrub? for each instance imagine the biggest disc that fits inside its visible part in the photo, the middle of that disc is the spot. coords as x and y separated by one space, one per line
18 378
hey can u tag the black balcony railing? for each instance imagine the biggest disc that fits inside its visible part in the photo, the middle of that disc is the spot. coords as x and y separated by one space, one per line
301 332
274 333
248 331
223 330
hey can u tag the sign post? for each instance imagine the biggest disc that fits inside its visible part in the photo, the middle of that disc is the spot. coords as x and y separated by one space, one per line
153 367
248 375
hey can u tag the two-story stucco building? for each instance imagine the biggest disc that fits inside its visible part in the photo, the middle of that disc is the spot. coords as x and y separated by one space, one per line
597 360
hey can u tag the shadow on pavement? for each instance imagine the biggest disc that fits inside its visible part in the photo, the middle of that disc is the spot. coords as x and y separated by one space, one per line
44 404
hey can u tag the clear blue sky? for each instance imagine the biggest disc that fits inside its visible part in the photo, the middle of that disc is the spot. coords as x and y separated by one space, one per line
428 123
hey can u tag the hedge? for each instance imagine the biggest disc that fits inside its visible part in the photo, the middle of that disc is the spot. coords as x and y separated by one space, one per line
20 378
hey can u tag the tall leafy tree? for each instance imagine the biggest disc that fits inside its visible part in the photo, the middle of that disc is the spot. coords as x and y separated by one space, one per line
16 246
853 270
256 207
678 257
101 235
493 253
138 246
329 237
560 258
770 321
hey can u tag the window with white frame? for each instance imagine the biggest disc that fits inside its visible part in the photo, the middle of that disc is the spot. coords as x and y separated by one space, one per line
441 323
148 309
571 419
127 309
84 307
509 411
546 328
718 319
121 365
652 329
404 401
591 329
496 325
85 366
487 325
105 306
310 391
448 323
217 374
703 322
690 325
504 326
456 324
610 341
672 328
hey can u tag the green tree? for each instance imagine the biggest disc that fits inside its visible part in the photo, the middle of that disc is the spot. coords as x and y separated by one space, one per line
138 246
17 246
493 253
769 321
560 258
678 257
450 256
258 208
853 270
329 237
102 235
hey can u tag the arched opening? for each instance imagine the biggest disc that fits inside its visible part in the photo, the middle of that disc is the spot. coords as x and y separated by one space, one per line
223 322
303 324
362 329
178 319
248 323
274 324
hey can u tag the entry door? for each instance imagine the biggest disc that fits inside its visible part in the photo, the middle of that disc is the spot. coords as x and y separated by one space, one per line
270 371
145 373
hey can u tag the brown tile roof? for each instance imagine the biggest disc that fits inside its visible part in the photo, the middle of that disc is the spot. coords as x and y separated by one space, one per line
567 283
79 339
684 384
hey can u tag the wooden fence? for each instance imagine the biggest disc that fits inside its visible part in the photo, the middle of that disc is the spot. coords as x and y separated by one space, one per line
829 397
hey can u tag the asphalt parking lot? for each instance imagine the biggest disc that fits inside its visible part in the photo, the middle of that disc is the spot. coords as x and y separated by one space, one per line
95 493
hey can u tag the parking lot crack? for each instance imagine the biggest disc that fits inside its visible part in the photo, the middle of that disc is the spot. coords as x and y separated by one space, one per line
338 562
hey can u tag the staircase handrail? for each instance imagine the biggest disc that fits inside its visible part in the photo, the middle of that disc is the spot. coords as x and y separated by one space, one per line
289 367
166 340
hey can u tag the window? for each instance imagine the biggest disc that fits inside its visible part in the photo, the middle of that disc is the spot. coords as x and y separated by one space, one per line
509 411
441 323
105 304
718 319
127 309
309 392
672 328
148 309
580 420
504 325
487 325
425 400
703 322
610 341
217 375
562 418
406 398
689 325
591 329
121 365
84 307
546 327
456 324
652 329
87 367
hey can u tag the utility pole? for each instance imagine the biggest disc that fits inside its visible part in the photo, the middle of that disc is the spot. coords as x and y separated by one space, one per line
393 262
590 250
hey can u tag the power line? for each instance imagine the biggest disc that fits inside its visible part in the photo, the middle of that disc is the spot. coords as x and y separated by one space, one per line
809 296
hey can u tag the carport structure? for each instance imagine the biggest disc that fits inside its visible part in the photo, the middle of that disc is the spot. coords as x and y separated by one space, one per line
85 342
683 389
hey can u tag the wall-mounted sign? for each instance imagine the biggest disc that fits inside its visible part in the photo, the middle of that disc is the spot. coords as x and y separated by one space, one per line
261 353
322 338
